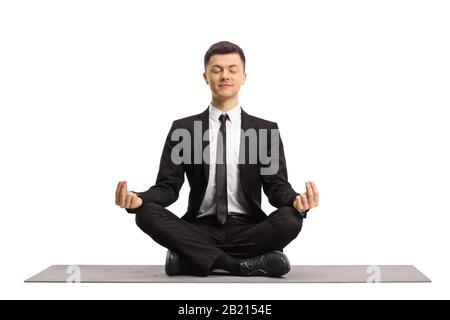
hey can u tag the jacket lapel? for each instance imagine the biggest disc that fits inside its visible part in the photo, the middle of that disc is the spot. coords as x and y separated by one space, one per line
204 116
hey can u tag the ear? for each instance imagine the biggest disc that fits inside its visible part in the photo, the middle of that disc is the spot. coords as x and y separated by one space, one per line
244 78
205 77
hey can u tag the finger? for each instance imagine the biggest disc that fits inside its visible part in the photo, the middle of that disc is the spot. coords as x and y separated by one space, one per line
119 187
123 194
128 201
134 202
305 201
316 193
310 192
119 196
118 191
131 196
294 203
299 203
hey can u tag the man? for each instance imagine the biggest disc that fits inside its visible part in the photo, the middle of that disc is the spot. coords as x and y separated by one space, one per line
224 227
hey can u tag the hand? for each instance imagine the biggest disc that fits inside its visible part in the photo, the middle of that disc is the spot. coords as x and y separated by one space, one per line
307 200
127 199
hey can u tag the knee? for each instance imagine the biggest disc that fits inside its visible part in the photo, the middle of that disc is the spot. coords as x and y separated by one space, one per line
146 214
290 220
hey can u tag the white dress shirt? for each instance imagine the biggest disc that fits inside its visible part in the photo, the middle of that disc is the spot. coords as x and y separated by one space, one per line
235 195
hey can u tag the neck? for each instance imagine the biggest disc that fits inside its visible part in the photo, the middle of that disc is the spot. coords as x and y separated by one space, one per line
224 104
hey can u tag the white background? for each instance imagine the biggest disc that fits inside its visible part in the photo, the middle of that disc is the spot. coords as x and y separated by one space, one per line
359 89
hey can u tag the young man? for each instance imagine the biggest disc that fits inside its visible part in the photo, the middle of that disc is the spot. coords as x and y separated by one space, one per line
224 226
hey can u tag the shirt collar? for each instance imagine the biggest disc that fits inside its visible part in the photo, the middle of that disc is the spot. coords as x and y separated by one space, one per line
234 113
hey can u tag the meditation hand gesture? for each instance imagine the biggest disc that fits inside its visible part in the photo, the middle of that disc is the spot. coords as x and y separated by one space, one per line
126 199
307 200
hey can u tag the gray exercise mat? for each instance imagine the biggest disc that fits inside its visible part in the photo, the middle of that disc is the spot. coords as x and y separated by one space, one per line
298 274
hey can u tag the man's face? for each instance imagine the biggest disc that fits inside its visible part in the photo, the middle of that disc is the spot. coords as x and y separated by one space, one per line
225 75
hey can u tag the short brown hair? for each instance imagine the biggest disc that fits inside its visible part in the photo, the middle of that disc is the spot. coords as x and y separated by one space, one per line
223 47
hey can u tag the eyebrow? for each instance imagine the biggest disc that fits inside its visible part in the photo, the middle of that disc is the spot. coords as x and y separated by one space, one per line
233 65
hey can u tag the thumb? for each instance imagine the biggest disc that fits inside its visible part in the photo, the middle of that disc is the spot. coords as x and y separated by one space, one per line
136 201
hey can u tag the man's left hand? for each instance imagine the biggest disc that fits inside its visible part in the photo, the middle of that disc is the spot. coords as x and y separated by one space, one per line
307 200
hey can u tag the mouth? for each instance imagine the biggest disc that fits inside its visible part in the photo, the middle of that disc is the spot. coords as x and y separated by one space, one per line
225 85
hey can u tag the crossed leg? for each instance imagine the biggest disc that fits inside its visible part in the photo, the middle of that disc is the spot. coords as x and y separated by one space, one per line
203 241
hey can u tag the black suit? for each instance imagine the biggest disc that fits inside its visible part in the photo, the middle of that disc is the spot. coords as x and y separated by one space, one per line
153 218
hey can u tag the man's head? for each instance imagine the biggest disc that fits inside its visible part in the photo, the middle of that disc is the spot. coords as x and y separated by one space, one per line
224 69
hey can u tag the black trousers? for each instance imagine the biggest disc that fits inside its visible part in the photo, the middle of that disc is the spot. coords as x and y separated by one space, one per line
203 240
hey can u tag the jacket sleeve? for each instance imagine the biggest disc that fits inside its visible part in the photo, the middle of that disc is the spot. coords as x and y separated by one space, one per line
276 186
169 181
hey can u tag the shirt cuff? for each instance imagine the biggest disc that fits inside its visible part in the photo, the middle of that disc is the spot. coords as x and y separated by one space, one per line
303 213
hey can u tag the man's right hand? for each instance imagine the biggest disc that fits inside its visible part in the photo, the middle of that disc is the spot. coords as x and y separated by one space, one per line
127 199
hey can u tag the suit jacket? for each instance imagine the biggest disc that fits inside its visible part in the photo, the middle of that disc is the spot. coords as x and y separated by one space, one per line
171 175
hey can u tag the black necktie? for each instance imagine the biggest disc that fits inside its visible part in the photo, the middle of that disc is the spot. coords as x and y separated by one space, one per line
221 172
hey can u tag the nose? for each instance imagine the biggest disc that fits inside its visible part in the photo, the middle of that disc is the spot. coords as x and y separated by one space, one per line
225 75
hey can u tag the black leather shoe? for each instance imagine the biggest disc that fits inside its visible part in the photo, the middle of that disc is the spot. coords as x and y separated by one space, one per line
176 265
271 264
